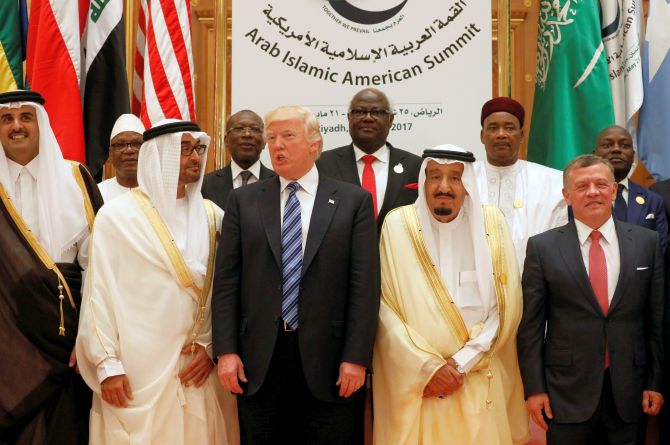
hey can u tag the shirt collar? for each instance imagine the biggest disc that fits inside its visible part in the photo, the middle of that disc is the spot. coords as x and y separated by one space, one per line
382 153
607 230
624 182
16 168
309 182
255 169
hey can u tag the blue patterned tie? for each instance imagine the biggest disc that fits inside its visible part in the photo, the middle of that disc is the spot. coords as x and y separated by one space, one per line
291 257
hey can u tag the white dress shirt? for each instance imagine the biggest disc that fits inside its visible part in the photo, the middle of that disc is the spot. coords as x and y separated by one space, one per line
381 168
610 245
624 192
306 195
235 169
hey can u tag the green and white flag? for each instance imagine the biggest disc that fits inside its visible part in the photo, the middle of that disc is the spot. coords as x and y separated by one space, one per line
11 63
573 100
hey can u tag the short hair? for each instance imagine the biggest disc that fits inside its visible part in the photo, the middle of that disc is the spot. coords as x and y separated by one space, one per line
297 112
376 91
585 161
234 115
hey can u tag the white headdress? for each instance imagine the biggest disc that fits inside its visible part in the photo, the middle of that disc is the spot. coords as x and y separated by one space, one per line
127 122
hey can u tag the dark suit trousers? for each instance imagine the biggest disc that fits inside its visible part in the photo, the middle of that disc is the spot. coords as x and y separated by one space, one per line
285 411
605 427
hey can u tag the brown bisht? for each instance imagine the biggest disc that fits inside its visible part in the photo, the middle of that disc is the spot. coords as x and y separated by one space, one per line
42 400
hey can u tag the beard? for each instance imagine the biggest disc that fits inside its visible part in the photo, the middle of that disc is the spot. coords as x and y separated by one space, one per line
442 211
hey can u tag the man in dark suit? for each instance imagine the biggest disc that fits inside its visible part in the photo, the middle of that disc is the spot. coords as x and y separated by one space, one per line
590 340
244 139
634 203
296 294
370 161
662 188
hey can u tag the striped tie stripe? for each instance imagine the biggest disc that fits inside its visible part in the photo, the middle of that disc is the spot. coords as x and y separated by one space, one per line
291 257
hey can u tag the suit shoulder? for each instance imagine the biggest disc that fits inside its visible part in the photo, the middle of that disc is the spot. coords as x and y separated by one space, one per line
331 154
343 187
551 235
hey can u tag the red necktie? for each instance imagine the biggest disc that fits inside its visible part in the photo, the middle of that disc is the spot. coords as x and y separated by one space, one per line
598 277
369 183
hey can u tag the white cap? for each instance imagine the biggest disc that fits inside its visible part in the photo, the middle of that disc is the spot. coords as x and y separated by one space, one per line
127 122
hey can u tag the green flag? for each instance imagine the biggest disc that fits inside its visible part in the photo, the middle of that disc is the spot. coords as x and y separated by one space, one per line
573 100
11 65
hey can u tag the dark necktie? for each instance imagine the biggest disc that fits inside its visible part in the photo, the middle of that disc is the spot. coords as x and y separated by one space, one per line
291 257
598 277
620 207
245 174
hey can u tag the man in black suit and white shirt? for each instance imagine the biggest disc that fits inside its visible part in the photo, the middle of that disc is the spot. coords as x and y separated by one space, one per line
590 340
244 139
370 161
296 294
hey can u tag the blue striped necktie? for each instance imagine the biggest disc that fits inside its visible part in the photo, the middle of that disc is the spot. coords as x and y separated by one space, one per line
291 257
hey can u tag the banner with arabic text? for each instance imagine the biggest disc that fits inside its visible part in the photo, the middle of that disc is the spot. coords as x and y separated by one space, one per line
431 57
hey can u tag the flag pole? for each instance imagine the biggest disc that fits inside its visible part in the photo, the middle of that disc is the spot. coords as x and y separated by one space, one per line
130 19
221 27
504 81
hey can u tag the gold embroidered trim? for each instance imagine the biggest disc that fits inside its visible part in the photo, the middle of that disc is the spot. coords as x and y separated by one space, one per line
88 207
446 303
41 254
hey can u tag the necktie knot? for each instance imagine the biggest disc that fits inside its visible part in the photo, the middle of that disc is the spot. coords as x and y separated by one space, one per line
369 159
620 188
595 236
293 186
245 175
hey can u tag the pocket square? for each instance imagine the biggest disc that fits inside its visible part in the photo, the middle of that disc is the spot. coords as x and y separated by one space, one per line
650 216
643 268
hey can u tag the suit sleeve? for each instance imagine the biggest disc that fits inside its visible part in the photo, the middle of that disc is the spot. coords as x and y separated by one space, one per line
661 223
530 337
364 287
226 287
655 318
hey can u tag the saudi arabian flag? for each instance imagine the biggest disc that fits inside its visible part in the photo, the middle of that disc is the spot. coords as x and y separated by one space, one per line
11 64
573 100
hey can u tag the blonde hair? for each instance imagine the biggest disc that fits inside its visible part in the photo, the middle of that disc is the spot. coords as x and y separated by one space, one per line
297 112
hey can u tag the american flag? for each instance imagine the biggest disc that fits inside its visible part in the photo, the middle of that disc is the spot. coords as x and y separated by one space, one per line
163 80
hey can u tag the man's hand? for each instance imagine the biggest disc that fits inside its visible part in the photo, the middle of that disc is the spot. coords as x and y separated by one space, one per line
198 370
652 402
231 369
352 377
535 404
444 382
116 391
72 363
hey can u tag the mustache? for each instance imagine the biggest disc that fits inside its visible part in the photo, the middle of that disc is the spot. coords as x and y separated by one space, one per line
444 195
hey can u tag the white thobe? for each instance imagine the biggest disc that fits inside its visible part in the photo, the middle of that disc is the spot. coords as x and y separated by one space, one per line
528 194
110 189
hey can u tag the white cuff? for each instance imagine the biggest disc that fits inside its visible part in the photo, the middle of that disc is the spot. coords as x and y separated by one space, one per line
467 357
110 367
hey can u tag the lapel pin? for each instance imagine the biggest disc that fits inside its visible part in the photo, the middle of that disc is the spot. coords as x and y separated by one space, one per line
518 203
639 200
330 201
398 168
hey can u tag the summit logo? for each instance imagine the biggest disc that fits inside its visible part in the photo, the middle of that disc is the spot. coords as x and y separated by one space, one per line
353 10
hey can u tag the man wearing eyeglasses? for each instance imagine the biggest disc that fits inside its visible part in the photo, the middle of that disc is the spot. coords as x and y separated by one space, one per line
634 204
244 139
370 160
124 148
145 336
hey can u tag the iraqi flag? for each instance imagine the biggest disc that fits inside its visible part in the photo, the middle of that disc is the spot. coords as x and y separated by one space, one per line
106 86
53 68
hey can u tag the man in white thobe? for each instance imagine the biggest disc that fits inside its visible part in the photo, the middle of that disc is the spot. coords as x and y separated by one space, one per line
125 142
445 356
145 332
528 194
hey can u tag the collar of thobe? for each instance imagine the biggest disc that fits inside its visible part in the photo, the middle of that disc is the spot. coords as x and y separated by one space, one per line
504 170
309 182
472 207
255 169
382 153
61 215
15 168
607 230
158 168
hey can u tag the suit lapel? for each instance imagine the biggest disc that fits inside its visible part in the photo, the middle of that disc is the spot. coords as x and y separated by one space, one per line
346 163
265 173
572 257
268 206
395 180
325 204
626 252
634 208
227 183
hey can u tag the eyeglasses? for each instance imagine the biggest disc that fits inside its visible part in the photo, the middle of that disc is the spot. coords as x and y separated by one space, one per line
133 146
376 113
242 130
188 149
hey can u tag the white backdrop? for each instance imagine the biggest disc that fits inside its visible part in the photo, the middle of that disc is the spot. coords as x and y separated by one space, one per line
431 57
